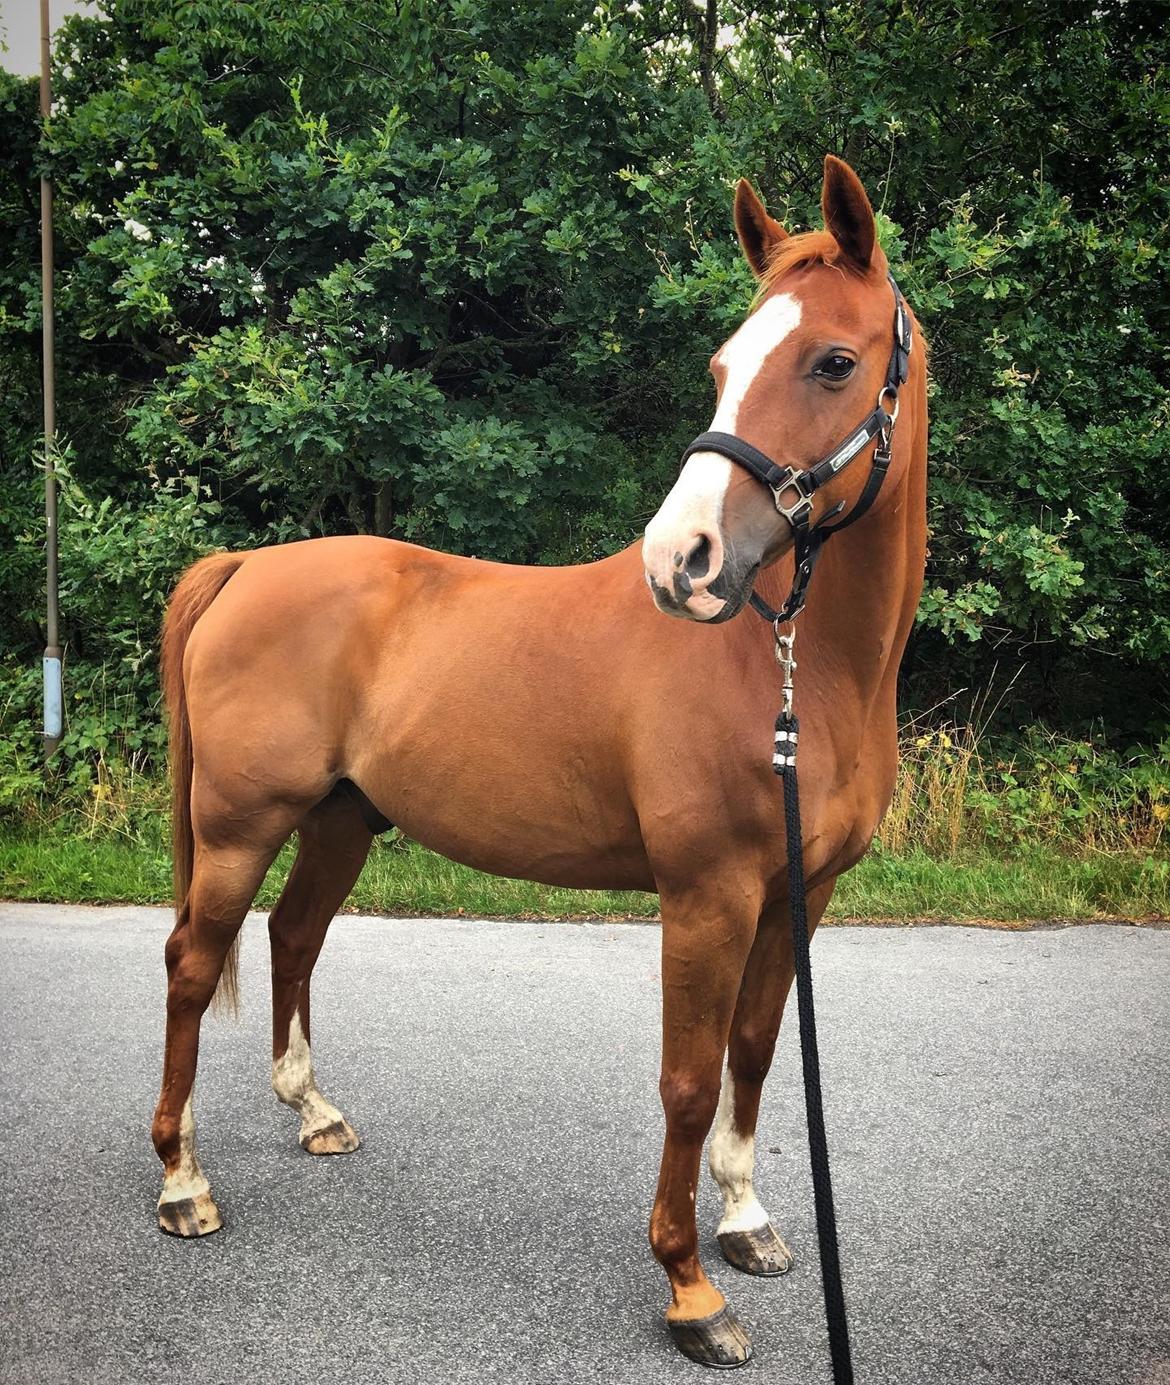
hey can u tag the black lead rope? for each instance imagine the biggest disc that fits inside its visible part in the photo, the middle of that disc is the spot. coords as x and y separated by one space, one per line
818 1148
792 491
784 764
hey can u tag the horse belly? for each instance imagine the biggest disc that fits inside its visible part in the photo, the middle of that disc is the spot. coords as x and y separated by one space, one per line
512 765
510 813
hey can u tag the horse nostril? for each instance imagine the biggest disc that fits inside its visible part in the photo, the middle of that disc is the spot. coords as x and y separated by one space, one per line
699 561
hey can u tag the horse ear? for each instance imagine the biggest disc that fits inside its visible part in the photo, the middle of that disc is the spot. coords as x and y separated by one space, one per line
758 233
848 215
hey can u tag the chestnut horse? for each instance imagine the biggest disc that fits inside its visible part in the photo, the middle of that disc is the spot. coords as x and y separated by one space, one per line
548 723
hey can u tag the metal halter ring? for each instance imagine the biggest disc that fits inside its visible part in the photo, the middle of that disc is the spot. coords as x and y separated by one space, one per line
887 429
891 392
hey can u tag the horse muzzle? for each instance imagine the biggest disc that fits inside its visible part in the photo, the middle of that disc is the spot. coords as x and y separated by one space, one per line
702 580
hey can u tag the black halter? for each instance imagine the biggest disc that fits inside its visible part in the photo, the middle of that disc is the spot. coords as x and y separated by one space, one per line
792 488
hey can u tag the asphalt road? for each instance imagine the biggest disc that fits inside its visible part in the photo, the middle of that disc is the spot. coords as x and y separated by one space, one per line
998 1113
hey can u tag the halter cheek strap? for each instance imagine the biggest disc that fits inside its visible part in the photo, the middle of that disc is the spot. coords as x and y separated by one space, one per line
793 488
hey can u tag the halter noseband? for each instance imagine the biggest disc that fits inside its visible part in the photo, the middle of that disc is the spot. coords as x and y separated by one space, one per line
793 488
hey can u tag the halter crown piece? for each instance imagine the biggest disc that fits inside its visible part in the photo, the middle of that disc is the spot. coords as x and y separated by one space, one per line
793 488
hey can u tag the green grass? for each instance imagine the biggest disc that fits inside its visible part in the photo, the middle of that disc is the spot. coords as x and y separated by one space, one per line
1031 884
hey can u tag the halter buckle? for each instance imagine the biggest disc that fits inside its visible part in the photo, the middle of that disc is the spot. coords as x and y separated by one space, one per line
798 514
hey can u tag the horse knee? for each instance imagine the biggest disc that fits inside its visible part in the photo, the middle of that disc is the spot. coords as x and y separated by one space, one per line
750 1053
689 1101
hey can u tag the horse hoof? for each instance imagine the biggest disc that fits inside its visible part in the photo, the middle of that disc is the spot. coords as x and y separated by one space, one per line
189 1216
339 1137
719 1341
759 1251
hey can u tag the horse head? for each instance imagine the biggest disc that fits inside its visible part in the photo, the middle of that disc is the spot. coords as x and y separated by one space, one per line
810 359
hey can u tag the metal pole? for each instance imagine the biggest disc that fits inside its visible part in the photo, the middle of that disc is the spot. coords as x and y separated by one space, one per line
51 663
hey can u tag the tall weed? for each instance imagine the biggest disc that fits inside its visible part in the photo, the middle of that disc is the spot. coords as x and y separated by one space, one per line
958 790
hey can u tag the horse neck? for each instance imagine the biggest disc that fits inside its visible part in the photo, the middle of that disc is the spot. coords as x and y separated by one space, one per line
865 591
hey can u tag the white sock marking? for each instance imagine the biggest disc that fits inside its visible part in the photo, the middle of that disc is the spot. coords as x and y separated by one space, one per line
187 1180
294 1083
731 1159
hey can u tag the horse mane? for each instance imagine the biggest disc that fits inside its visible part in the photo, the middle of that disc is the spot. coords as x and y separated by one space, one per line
809 248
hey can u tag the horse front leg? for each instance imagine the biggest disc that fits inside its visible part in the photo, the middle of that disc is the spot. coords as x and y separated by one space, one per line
705 943
747 1237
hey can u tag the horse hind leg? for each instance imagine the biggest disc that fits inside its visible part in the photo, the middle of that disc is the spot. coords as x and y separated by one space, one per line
228 870
746 1235
334 843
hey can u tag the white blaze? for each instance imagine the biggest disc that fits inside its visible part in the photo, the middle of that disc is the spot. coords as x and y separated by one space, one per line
695 504
731 1159
742 356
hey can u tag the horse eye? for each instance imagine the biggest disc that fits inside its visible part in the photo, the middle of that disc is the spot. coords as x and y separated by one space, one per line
835 368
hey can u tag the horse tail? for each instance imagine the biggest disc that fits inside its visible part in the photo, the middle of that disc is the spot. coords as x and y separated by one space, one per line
196 590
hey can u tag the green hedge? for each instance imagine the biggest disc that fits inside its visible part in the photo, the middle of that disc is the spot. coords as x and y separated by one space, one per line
453 273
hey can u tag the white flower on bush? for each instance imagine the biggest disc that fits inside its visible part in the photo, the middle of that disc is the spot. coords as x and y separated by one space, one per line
137 230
